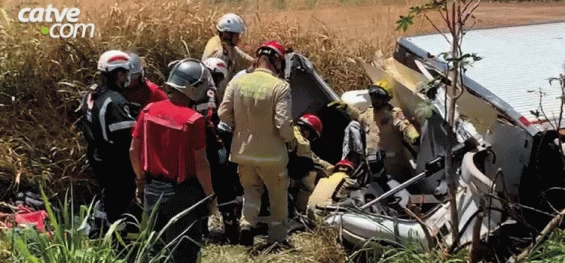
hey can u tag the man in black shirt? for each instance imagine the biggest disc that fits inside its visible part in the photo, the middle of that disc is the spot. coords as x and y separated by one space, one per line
107 125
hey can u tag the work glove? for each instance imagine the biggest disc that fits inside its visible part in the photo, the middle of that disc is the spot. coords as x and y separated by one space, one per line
338 104
330 170
222 155
415 141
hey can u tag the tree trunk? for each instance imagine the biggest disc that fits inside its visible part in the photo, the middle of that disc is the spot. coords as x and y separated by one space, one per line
452 93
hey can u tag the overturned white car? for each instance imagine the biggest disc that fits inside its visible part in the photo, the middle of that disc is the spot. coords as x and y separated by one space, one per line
499 143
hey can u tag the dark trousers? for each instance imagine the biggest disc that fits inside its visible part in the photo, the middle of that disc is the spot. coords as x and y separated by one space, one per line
224 182
174 199
118 184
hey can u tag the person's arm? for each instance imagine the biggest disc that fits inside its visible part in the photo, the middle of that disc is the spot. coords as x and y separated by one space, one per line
404 126
225 112
328 166
211 48
244 56
135 159
283 117
203 171
135 150
353 112
201 164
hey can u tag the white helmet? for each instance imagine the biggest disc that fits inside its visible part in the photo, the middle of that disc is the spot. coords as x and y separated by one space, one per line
191 77
231 23
114 59
217 65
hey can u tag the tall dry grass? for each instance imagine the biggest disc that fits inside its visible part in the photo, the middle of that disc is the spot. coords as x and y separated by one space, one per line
41 78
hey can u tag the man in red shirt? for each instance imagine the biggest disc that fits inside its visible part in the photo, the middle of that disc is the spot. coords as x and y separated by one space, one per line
168 155
141 91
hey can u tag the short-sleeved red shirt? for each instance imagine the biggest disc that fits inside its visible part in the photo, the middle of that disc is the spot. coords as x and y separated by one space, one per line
147 93
169 136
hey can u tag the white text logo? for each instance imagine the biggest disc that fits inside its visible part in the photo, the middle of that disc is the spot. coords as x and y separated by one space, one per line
65 26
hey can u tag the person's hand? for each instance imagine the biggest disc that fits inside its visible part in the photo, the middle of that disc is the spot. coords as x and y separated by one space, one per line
140 190
416 141
338 104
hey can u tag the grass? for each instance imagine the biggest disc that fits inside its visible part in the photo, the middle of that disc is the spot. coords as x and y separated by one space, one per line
68 240
42 79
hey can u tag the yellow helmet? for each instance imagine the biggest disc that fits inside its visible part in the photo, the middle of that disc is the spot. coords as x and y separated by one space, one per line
382 85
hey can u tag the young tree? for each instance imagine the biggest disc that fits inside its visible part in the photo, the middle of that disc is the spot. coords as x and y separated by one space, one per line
455 14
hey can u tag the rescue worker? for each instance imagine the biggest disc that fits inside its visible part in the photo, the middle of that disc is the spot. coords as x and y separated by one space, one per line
258 107
333 189
106 125
308 128
141 91
385 128
168 154
224 45
224 178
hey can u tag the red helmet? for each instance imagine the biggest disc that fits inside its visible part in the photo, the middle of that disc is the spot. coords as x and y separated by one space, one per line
346 163
271 48
274 49
313 122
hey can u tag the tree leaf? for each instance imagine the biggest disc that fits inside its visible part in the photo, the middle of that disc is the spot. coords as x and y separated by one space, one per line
404 22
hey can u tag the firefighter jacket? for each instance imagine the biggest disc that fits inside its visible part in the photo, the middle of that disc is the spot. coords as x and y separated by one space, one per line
233 56
258 107
385 128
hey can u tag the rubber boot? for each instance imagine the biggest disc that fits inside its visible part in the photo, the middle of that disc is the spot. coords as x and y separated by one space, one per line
231 227
246 238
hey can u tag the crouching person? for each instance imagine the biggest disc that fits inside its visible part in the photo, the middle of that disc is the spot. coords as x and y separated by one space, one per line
303 161
168 154
331 190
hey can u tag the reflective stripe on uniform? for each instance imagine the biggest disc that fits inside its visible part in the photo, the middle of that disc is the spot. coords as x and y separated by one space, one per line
102 118
204 106
275 223
121 125
239 158
251 206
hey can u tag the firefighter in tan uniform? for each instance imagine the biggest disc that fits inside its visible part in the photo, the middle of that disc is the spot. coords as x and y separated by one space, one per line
333 189
224 46
301 169
386 127
258 108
